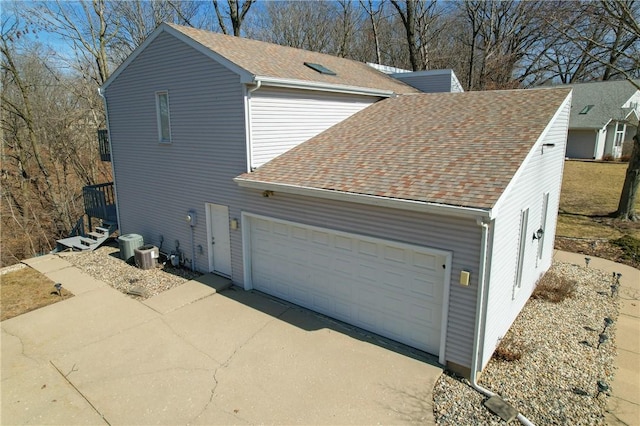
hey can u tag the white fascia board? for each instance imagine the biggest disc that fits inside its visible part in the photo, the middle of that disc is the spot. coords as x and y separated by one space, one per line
372 200
244 74
315 85
532 151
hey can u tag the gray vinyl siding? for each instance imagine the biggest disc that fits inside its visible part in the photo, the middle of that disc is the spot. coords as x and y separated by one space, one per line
429 81
458 235
156 183
283 118
541 173
581 143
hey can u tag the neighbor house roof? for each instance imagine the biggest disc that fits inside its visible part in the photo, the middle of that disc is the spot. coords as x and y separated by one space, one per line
456 149
258 61
595 104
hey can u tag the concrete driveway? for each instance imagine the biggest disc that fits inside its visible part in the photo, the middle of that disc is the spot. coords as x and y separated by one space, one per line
196 356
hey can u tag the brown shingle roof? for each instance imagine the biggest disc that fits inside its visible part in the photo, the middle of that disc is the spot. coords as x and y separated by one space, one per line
458 149
271 60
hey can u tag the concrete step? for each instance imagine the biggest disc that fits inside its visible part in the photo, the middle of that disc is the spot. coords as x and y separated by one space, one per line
97 235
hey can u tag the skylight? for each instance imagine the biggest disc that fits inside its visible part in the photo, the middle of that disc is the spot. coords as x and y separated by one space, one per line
321 69
586 109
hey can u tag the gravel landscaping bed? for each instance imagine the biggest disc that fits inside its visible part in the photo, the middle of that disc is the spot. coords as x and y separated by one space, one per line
555 379
105 265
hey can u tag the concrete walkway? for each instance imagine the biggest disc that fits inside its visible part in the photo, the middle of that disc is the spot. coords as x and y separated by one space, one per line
193 355
624 404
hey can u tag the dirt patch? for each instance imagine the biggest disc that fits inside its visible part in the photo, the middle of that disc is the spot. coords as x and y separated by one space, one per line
598 248
26 289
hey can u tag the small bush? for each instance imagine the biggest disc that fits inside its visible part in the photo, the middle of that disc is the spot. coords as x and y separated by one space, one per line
630 246
554 288
625 158
608 157
509 350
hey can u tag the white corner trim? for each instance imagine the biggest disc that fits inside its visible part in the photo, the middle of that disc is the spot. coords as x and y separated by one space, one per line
419 206
245 226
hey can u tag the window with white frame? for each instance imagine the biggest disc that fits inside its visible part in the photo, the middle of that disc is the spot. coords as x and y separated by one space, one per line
164 119
620 130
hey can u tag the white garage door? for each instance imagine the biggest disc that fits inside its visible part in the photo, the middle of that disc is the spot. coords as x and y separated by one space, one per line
389 288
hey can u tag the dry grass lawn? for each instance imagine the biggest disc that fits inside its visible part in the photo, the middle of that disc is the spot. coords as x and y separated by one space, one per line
590 191
26 289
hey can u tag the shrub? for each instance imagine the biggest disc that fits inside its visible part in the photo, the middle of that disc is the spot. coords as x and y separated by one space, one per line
625 158
554 288
608 157
509 350
630 246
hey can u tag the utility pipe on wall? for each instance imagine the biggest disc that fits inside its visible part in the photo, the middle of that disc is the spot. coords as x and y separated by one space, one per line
480 318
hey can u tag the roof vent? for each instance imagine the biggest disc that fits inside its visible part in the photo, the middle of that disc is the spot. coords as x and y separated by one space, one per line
586 109
321 69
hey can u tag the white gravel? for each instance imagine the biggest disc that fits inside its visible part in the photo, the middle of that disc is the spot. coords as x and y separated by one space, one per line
555 380
105 265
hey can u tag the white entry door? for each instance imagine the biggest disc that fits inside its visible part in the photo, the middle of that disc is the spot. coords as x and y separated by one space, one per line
219 241
390 288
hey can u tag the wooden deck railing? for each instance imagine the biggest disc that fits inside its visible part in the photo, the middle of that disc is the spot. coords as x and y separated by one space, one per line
100 201
103 144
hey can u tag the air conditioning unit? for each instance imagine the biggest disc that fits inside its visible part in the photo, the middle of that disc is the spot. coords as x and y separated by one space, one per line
147 257
128 244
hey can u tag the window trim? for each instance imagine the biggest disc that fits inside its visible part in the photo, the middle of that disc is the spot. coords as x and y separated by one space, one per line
159 118
522 246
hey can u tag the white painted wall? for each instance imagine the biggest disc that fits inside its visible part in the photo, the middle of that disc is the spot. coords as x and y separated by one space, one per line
540 173
281 119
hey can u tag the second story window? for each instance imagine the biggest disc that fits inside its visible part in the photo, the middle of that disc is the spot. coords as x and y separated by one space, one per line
162 108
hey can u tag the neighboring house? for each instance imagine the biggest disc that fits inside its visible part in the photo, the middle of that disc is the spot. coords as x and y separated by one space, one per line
604 116
425 218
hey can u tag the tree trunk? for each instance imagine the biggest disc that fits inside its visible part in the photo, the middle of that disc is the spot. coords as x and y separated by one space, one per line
626 210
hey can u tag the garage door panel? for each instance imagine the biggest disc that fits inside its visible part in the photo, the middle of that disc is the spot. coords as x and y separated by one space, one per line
368 249
389 288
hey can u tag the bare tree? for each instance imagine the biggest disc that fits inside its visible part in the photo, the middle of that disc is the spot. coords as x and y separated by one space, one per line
49 149
236 12
419 21
374 14
618 51
305 25
87 26
138 18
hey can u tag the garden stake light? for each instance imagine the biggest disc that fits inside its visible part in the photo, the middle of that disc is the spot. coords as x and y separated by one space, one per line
602 338
587 260
607 322
602 388
58 287
616 284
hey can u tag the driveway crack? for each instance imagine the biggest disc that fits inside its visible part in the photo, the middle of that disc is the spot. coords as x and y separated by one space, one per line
65 376
22 350
226 363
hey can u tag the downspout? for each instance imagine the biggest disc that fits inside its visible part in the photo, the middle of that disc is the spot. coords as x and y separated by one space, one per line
480 317
113 169
249 132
